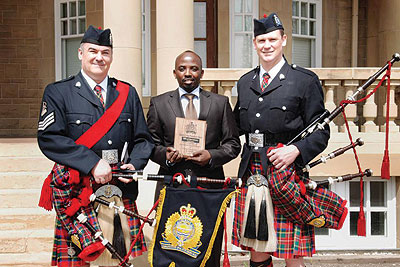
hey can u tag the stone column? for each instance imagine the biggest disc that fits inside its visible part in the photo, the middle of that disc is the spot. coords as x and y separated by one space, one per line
330 105
351 109
124 18
174 35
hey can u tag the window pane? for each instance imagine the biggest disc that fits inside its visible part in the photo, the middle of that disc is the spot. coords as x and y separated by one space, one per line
64 27
302 52
378 223
63 11
295 8
243 51
81 8
312 11
248 23
200 29
72 63
304 10
82 25
355 194
312 28
72 26
295 26
238 6
248 6
72 9
378 194
200 47
353 222
303 26
238 23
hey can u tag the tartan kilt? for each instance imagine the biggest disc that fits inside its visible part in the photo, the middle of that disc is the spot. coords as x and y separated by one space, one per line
62 242
294 240
66 226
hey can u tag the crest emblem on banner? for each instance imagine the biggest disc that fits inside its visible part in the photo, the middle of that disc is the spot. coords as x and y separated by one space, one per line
183 231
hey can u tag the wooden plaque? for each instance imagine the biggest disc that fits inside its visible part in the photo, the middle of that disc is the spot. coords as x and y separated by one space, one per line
190 135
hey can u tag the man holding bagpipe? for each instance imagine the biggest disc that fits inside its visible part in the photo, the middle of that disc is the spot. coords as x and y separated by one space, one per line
276 101
86 122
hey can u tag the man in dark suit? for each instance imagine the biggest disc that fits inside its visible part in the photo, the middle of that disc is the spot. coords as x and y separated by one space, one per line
222 141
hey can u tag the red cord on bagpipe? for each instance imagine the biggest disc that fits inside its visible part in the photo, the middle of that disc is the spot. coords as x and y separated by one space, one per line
385 169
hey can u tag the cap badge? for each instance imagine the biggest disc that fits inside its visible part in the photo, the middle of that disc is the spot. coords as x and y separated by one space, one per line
277 21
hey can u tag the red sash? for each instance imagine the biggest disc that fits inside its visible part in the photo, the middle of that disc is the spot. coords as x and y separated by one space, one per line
89 139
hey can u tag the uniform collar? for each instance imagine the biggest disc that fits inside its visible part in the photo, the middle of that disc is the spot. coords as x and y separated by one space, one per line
92 83
273 71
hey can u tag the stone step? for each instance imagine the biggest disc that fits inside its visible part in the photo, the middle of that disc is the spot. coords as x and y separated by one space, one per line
26 219
19 147
26 241
25 164
23 180
41 259
19 198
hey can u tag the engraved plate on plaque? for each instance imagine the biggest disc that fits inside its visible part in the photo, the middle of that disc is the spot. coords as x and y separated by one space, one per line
190 135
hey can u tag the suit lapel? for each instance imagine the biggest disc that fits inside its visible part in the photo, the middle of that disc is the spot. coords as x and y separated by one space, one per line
85 91
112 93
205 103
176 104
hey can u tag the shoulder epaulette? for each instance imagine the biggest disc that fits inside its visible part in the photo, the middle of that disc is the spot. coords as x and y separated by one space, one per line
252 71
303 70
71 77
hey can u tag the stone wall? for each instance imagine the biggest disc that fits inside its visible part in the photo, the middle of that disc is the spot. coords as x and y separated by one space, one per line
26 63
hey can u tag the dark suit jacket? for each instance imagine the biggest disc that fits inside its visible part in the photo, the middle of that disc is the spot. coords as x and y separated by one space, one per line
222 139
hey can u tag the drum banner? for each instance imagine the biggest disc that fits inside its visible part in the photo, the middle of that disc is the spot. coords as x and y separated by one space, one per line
187 224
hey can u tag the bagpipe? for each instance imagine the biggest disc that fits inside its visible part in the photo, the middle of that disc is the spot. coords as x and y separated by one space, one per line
316 205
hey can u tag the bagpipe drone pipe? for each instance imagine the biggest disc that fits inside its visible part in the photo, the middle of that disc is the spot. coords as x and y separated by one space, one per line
320 124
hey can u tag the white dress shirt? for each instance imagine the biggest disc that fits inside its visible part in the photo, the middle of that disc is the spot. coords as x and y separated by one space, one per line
92 84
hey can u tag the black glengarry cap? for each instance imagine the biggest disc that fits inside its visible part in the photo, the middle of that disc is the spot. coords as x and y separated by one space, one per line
97 36
267 24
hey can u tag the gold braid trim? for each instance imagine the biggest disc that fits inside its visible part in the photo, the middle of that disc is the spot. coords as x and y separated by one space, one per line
158 217
224 205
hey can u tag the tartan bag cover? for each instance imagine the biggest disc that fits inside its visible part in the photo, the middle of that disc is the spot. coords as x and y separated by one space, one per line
187 224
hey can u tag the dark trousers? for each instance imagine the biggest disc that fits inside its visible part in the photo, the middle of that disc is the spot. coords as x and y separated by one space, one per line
215 257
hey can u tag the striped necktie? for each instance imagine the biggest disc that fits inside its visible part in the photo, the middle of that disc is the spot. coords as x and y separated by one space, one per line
97 90
264 83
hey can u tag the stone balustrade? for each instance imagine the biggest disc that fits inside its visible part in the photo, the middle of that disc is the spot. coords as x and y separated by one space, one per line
338 83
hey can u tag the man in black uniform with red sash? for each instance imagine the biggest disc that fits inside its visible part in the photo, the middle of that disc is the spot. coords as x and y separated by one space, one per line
69 109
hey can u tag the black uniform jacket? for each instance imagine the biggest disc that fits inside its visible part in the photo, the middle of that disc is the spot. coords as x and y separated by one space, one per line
292 100
222 138
70 108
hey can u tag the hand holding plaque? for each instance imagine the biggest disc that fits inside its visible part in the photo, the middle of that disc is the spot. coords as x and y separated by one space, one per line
190 136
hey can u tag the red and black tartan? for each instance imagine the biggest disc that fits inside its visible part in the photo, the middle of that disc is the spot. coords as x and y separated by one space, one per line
66 226
294 240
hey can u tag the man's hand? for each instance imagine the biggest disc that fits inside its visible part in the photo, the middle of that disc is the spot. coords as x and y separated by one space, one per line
126 167
102 172
201 157
173 155
282 157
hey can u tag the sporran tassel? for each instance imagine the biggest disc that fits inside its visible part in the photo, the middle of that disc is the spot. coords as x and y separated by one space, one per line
118 236
262 234
250 230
